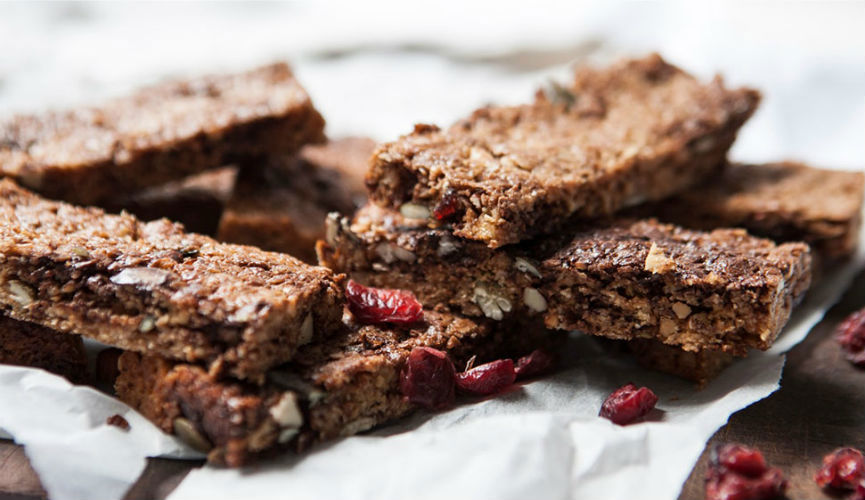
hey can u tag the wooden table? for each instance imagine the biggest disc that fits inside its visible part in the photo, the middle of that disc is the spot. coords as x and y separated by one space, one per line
820 406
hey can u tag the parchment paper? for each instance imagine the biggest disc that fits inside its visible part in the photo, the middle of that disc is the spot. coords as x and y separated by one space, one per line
375 73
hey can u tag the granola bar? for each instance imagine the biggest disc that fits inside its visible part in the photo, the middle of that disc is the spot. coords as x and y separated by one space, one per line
26 344
281 206
722 290
620 278
639 130
158 134
151 287
783 201
335 388
197 202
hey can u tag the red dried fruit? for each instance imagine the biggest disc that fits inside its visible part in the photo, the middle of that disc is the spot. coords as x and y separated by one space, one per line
118 421
533 364
628 403
737 472
844 468
851 335
488 378
447 207
382 305
428 378
741 459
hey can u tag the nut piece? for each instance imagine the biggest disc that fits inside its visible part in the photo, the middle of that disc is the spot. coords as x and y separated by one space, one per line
414 211
331 228
657 262
21 293
141 276
147 324
527 267
286 411
80 251
306 330
356 426
682 310
186 431
533 299
668 327
493 306
298 385
447 246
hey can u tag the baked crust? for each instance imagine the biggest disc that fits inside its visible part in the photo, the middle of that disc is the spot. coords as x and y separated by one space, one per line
151 287
162 133
342 386
639 130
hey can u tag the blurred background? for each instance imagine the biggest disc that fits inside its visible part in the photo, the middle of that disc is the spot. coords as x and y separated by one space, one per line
376 68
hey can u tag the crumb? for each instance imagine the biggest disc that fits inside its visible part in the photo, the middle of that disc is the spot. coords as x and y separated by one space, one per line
117 421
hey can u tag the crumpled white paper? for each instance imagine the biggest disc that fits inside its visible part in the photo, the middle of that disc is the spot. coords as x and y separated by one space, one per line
74 451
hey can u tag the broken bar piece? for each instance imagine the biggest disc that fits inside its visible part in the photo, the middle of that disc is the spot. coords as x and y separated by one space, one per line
159 134
151 287
639 130
341 386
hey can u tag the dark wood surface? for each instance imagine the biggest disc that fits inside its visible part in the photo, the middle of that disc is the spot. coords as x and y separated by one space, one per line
820 406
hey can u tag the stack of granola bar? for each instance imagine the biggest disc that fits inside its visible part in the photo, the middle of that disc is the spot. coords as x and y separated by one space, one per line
239 351
561 210
606 206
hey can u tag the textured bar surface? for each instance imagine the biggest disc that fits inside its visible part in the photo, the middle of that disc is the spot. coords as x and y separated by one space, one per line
153 288
639 130
158 134
722 290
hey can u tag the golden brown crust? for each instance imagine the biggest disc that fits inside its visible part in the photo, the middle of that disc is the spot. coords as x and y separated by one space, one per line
639 130
159 134
154 288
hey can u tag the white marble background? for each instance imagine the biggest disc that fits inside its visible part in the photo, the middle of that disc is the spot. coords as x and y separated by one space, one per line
375 68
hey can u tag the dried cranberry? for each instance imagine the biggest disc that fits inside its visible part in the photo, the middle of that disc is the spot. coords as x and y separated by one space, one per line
428 378
737 472
118 421
447 207
381 305
628 403
844 468
488 378
851 336
741 459
533 364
